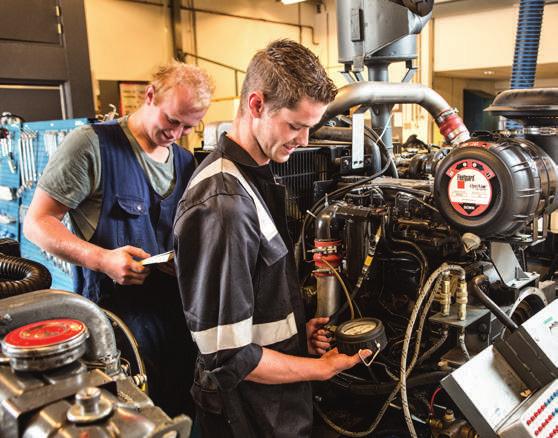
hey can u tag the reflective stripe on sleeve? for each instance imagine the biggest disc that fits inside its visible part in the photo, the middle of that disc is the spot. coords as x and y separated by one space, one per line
240 334
222 165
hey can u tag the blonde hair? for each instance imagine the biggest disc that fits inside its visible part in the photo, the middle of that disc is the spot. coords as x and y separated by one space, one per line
175 74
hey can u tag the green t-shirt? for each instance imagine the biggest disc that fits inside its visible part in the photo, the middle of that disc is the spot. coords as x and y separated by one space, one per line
73 176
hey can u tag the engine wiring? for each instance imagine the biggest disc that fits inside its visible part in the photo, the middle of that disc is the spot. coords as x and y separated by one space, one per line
301 242
405 370
432 399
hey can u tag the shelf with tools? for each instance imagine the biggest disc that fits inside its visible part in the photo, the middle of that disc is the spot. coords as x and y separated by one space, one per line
25 150
9 181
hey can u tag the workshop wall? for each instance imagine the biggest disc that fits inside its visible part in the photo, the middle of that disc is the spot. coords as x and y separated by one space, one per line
129 38
486 39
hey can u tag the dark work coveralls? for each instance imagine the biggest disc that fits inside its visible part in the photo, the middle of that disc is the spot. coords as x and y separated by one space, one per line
132 213
240 292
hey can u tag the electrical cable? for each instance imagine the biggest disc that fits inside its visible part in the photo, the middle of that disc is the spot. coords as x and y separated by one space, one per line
434 394
421 259
420 201
357 387
373 135
413 245
428 353
368 260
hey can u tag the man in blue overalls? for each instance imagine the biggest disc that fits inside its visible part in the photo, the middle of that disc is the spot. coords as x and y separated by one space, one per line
120 182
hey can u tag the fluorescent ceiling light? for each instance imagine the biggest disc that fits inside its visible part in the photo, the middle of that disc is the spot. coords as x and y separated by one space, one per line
291 2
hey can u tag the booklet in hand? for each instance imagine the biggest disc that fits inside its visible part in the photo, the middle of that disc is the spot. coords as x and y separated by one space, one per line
159 258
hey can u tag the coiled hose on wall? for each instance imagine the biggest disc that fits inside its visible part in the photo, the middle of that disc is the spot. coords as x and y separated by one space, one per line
526 47
18 276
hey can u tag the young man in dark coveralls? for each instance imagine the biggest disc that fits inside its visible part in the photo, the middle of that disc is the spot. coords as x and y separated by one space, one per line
235 264
120 182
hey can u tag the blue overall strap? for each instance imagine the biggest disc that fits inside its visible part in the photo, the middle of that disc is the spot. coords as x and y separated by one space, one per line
132 213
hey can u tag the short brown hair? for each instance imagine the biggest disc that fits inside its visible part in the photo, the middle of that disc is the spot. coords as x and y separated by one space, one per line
285 72
176 74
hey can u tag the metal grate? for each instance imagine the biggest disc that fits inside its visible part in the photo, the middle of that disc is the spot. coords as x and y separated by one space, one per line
305 166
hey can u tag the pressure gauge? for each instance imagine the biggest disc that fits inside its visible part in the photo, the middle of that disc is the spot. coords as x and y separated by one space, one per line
361 333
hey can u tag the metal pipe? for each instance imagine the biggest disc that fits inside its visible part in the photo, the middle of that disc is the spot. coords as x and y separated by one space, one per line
461 299
49 303
328 295
327 286
373 93
324 221
380 115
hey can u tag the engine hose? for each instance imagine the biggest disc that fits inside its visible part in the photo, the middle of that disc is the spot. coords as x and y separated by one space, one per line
385 152
20 275
300 248
428 353
408 371
419 257
491 305
527 39
408 335
385 388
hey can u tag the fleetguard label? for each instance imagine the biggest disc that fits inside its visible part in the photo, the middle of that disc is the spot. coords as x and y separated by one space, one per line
469 189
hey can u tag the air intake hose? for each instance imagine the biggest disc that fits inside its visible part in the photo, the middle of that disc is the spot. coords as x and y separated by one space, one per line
18 275
526 47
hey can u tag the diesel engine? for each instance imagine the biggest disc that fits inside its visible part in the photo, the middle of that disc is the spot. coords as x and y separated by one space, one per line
61 373
430 267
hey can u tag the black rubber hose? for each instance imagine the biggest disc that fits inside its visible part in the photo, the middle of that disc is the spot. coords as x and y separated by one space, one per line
491 305
359 388
18 276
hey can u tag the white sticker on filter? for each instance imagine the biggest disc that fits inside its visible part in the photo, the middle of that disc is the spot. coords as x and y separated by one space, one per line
469 189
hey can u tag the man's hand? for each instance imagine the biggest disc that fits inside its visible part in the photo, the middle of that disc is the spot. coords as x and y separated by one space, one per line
317 339
119 264
168 268
335 362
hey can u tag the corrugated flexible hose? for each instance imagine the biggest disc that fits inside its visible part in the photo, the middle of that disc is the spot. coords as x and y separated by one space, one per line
19 275
526 47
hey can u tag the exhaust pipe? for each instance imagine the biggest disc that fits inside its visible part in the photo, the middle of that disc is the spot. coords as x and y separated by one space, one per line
370 93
